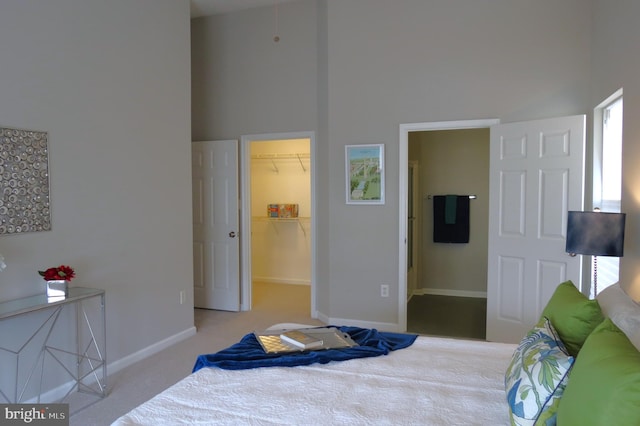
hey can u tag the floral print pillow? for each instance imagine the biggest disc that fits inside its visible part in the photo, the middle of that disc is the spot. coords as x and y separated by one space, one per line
537 376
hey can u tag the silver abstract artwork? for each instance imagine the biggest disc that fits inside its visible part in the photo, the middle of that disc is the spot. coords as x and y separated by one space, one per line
24 181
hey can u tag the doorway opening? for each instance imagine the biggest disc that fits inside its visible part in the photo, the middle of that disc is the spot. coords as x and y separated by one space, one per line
278 221
411 267
447 294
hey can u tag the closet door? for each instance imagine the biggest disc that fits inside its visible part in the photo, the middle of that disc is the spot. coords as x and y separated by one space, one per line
536 177
216 244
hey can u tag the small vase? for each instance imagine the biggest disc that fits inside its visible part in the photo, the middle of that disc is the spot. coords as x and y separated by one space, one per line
56 288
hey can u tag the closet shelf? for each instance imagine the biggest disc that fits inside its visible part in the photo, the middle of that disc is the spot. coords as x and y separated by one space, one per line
283 156
274 220
280 219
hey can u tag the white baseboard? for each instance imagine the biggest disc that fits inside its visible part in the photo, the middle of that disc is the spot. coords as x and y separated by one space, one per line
59 392
143 353
447 292
276 280
320 316
382 326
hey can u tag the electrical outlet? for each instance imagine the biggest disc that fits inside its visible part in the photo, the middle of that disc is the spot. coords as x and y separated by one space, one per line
384 290
182 297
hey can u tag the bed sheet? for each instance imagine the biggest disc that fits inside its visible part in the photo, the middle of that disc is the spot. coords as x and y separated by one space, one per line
436 381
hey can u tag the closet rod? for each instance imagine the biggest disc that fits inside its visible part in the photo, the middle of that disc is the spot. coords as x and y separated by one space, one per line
471 197
276 156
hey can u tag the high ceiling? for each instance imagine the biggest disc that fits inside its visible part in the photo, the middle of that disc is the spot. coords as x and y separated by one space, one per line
216 7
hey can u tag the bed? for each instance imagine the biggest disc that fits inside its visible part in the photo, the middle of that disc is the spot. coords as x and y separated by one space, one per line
435 381
595 379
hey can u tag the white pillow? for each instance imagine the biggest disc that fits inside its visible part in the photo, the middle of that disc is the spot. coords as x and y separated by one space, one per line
623 311
290 326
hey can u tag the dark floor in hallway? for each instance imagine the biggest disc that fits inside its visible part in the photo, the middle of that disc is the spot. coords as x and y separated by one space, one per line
447 316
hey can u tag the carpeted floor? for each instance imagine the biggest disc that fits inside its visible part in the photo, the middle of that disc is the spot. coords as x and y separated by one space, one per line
131 386
447 316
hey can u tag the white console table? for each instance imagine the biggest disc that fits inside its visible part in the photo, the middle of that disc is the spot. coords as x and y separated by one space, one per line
51 342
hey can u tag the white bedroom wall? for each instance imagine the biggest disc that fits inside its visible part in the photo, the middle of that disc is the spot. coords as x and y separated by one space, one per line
245 83
616 65
415 61
323 210
110 82
362 68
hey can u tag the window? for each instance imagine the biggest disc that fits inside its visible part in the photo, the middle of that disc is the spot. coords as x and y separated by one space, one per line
607 176
612 156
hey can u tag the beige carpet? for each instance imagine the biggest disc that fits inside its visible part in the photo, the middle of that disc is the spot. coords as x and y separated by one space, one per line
273 303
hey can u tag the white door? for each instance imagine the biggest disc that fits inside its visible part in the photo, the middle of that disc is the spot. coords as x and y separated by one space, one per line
215 225
536 177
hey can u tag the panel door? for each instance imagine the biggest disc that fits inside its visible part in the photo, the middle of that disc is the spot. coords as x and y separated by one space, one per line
216 244
536 177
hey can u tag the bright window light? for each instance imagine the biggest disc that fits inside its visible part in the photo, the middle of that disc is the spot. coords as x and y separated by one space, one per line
612 155
608 177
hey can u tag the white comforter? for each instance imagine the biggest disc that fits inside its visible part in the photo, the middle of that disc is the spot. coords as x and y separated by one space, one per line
436 381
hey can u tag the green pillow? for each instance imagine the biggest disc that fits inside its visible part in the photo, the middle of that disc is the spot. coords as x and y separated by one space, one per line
573 315
604 384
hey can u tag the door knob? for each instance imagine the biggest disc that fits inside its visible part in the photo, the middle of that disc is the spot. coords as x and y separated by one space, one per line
232 234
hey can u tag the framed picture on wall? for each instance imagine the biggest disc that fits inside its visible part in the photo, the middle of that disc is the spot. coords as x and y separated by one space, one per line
364 165
24 160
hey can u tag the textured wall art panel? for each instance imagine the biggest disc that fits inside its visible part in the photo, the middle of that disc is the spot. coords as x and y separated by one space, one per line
24 181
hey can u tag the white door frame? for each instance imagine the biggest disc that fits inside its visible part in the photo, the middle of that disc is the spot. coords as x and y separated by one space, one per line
402 196
412 276
245 211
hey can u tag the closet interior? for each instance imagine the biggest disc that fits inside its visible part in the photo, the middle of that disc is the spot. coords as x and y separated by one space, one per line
280 218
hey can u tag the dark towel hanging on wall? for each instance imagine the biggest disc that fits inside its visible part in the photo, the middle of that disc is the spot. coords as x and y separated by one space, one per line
457 232
450 209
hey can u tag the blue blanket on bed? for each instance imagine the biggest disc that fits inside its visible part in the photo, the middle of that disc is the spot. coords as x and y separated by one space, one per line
249 354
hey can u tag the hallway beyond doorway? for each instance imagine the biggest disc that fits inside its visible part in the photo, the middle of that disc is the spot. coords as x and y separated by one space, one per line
447 316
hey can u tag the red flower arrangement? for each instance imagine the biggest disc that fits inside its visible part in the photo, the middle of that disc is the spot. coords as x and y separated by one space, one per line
62 272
